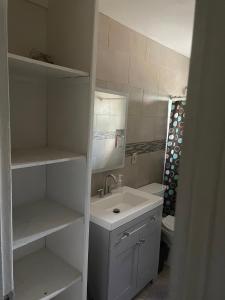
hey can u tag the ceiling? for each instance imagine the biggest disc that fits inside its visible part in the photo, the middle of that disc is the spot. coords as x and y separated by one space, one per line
169 22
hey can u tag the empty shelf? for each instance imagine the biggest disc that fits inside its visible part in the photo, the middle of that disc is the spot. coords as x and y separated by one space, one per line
42 276
41 156
25 65
39 219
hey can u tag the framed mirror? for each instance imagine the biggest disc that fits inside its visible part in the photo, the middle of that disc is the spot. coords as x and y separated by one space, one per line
109 136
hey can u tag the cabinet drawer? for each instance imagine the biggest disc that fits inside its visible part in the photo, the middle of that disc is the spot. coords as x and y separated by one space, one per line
153 221
127 238
128 234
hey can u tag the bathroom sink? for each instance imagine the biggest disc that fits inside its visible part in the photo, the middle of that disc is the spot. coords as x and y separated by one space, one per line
122 206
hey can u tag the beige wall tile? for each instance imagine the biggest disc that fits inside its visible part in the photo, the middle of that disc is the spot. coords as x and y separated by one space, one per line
162 109
118 37
101 84
97 182
143 74
185 68
168 82
158 165
136 73
153 106
154 52
103 31
138 44
131 62
147 129
133 129
122 88
130 173
135 101
145 165
112 66
160 128
182 79
172 60
150 103
167 58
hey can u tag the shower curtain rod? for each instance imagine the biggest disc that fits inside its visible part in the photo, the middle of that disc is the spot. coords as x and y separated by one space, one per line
170 98
177 98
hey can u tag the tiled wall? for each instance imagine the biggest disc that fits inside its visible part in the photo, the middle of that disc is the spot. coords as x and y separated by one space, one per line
132 63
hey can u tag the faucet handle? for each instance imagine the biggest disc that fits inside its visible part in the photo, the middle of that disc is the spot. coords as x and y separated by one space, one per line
100 193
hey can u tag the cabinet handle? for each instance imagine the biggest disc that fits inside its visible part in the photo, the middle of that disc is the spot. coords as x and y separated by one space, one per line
153 219
141 242
127 234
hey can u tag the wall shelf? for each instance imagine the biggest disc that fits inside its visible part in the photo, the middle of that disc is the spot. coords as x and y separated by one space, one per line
45 115
21 64
42 276
40 156
38 219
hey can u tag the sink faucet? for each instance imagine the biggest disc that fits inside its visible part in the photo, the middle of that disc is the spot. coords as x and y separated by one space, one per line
108 185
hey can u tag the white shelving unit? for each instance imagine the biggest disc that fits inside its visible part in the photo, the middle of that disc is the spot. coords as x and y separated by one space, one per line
45 170
42 275
20 64
40 156
39 219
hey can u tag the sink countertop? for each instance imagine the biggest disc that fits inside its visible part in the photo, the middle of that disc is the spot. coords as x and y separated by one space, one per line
130 202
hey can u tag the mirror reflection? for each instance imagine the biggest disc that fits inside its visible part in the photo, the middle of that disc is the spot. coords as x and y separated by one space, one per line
110 111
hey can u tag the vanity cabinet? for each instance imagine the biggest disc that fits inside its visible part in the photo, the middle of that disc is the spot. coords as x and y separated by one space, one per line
123 261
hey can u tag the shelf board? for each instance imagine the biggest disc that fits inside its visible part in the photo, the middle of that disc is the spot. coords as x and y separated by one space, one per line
42 276
21 64
40 156
38 219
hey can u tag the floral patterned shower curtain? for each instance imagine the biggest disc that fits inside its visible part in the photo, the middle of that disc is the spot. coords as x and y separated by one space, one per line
173 154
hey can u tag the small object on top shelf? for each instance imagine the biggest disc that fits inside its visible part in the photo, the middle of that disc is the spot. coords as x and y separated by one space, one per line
38 55
25 65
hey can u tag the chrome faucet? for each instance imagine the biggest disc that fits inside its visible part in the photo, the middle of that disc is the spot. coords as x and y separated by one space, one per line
108 185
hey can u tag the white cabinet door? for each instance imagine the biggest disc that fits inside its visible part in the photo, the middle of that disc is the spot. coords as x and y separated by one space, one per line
148 258
6 283
123 270
149 247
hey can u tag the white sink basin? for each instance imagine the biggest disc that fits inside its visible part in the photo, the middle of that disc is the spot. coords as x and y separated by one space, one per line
121 207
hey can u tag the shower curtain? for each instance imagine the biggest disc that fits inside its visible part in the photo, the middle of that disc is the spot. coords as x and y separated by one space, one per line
173 154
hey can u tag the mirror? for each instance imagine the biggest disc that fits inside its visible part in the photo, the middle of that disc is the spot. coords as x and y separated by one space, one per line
109 136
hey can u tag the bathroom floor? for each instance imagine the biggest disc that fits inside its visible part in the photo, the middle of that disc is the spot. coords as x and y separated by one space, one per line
158 290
